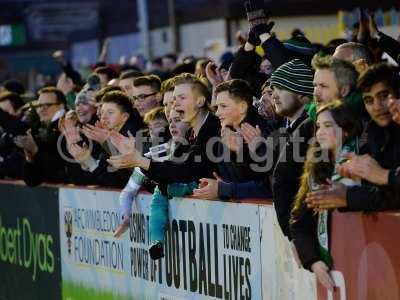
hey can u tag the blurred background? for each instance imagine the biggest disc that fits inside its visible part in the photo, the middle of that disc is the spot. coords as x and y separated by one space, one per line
142 31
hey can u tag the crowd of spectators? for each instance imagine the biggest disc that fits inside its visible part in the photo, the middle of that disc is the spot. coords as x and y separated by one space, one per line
314 128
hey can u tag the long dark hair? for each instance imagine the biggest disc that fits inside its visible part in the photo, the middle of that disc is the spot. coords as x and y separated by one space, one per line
315 170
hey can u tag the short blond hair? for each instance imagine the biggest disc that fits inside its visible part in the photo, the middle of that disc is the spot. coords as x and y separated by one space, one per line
345 73
199 84
154 114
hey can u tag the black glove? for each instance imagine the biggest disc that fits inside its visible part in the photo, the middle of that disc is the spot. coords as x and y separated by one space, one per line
258 19
253 39
254 5
263 28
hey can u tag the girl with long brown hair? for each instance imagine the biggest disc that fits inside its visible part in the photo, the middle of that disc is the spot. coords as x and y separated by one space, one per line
337 132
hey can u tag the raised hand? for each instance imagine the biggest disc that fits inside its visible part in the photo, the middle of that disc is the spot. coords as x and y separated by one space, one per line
96 133
363 30
29 145
80 154
122 143
251 135
257 17
233 140
125 161
373 28
252 38
213 74
72 135
65 84
68 126
364 167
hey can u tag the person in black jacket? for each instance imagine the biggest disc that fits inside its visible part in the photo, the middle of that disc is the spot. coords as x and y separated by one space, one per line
191 100
96 132
292 85
246 64
12 86
85 114
388 45
337 134
377 41
116 110
276 52
190 165
236 178
43 161
146 93
381 156
11 125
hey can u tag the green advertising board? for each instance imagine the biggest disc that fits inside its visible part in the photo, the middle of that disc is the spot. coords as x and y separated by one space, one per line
29 243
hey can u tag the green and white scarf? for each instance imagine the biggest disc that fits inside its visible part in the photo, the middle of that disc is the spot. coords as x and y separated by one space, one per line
323 217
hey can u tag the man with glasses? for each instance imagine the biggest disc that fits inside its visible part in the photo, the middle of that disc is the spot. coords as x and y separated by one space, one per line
43 163
146 93
50 105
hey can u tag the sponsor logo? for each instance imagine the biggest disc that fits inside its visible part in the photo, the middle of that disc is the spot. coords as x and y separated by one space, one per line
68 228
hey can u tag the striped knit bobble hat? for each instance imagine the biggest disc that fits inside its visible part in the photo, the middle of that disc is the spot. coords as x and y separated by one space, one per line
300 45
294 76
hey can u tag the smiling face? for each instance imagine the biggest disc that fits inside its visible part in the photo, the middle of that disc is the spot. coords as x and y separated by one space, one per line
329 134
112 116
230 111
85 112
85 107
376 102
48 106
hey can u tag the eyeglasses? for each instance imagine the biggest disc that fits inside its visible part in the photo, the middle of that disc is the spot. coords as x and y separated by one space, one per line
143 97
45 105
